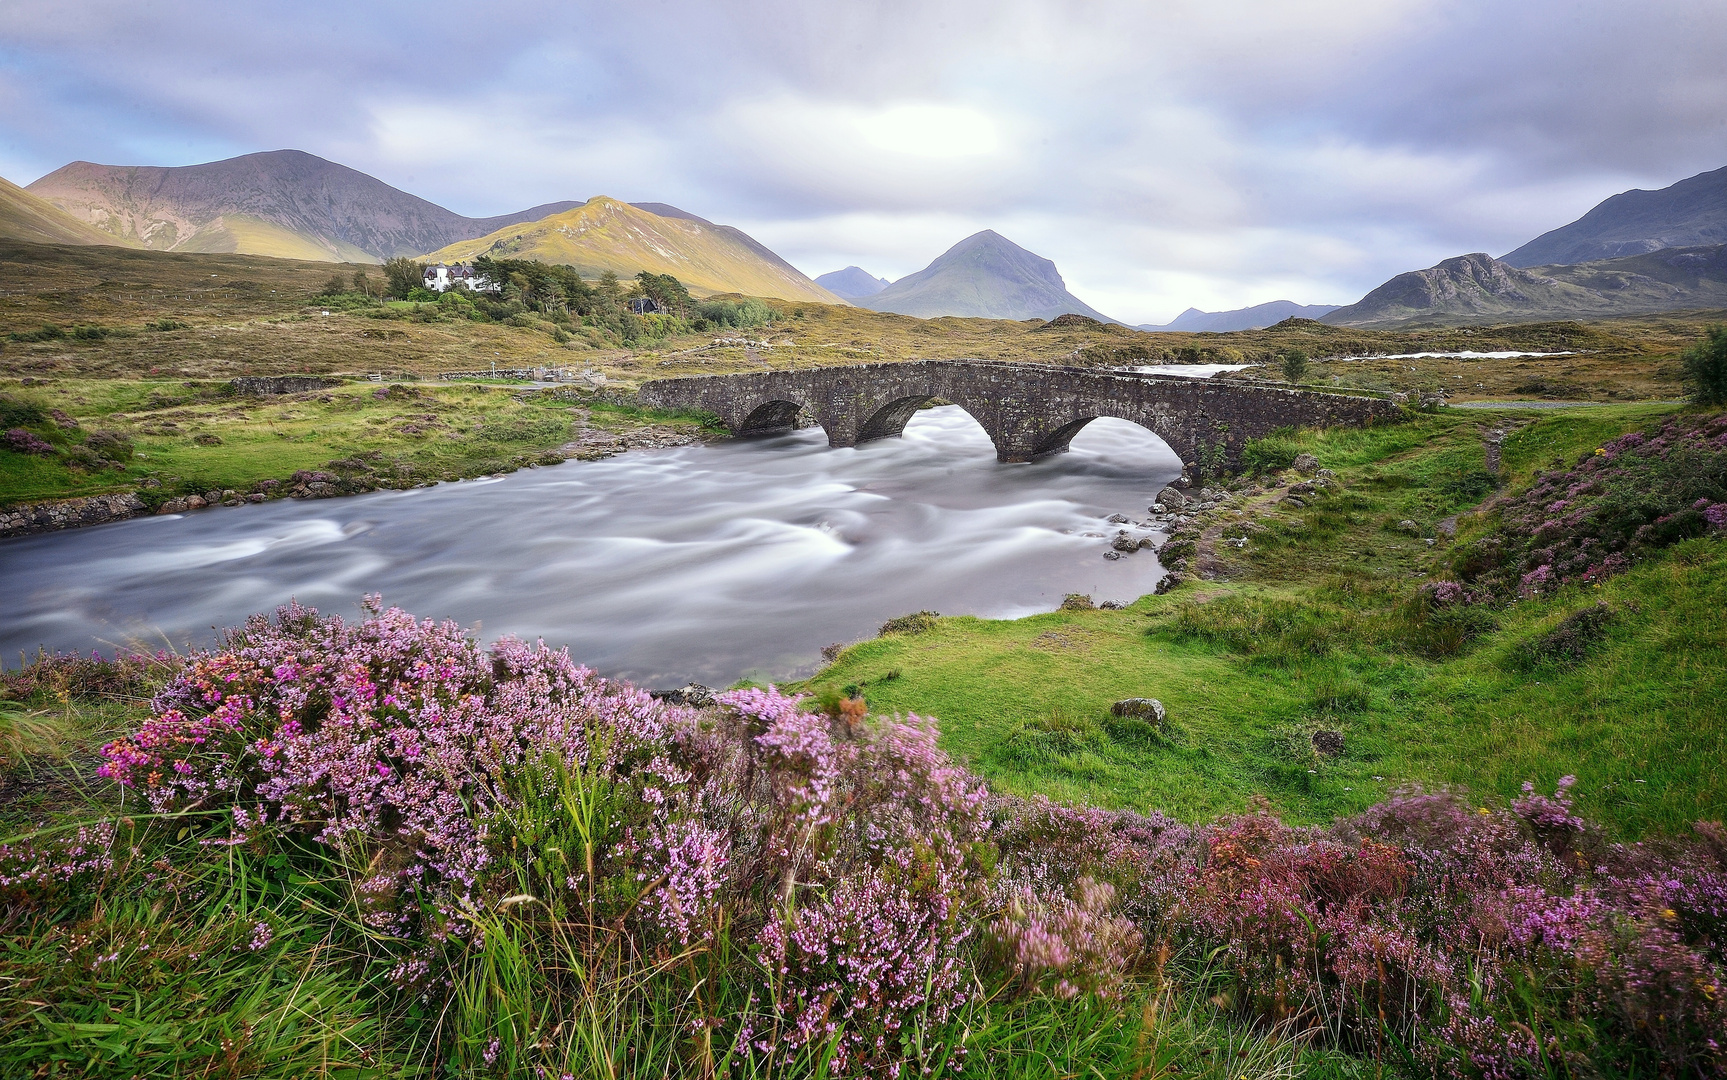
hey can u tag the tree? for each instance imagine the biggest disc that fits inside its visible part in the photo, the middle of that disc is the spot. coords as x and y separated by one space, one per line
1294 365
362 283
403 276
336 286
667 292
1705 366
609 289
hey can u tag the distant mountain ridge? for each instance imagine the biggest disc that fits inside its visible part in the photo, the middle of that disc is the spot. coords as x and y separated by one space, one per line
23 216
1477 287
1257 317
1690 213
852 282
283 202
984 276
607 234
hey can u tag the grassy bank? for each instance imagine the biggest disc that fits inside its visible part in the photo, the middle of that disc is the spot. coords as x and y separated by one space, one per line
186 436
1308 628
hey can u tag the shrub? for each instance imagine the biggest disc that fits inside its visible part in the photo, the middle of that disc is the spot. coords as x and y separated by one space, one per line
741 314
90 333
1705 366
1569 642
20 441
1269 454
14 413
917 622
111 445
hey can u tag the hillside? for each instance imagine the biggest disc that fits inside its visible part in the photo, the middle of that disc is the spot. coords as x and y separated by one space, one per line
852 282
1256 317
284 203
1690 213
605 234
984 276
25 217
1477 287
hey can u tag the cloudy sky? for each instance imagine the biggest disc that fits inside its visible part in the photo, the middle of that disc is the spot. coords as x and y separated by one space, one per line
1164 153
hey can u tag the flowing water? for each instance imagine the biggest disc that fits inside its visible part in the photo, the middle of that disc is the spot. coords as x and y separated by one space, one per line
702 562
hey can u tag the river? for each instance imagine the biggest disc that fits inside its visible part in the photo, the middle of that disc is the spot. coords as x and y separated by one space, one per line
709 562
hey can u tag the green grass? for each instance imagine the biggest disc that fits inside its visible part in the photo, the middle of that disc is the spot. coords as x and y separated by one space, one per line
462 430
1312 634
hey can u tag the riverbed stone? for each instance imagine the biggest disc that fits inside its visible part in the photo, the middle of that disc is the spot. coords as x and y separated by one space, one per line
1172 500
69 513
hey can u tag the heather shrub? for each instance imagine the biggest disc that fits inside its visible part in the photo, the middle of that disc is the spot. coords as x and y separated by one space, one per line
522 847
20 441
1630 497
1569 642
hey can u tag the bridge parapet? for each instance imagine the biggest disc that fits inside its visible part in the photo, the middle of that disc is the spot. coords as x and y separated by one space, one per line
1029 410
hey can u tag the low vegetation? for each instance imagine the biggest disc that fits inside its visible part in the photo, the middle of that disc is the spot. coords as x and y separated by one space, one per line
379 849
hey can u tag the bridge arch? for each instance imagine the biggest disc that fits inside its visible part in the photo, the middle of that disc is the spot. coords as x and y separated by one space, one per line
889 421
776 414
1060 439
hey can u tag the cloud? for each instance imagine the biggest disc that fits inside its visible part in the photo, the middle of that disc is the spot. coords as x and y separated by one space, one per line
1207 152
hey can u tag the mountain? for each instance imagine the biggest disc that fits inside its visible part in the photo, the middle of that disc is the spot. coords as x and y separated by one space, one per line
25 217
852 282
605 234
1475 288
1257 317
736 235
983 276
1691 213
285 203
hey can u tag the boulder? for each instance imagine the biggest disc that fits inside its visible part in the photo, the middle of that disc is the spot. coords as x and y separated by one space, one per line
695 695
1144 708
1305 464
1124 543
1172 500
1408 526
1076 602
1118 519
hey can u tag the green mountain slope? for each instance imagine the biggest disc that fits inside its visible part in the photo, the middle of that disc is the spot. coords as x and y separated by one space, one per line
984 276
1691 213
605 234
285 203
25 217
1476 288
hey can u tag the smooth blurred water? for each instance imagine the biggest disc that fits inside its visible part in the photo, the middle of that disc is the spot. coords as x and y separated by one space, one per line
703 562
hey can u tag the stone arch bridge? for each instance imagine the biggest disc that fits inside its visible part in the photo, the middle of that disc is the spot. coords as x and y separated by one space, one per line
1029 410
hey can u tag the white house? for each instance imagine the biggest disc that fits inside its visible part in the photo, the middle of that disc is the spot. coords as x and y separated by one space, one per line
441 277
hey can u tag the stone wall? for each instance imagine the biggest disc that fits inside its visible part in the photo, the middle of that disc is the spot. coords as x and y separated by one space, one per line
69 513
270 385
1029 410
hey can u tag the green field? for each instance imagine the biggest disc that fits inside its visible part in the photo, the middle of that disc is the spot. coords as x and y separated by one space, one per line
1309 633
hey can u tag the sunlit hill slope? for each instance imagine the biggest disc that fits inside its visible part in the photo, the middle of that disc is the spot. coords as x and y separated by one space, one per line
605 234
25 217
